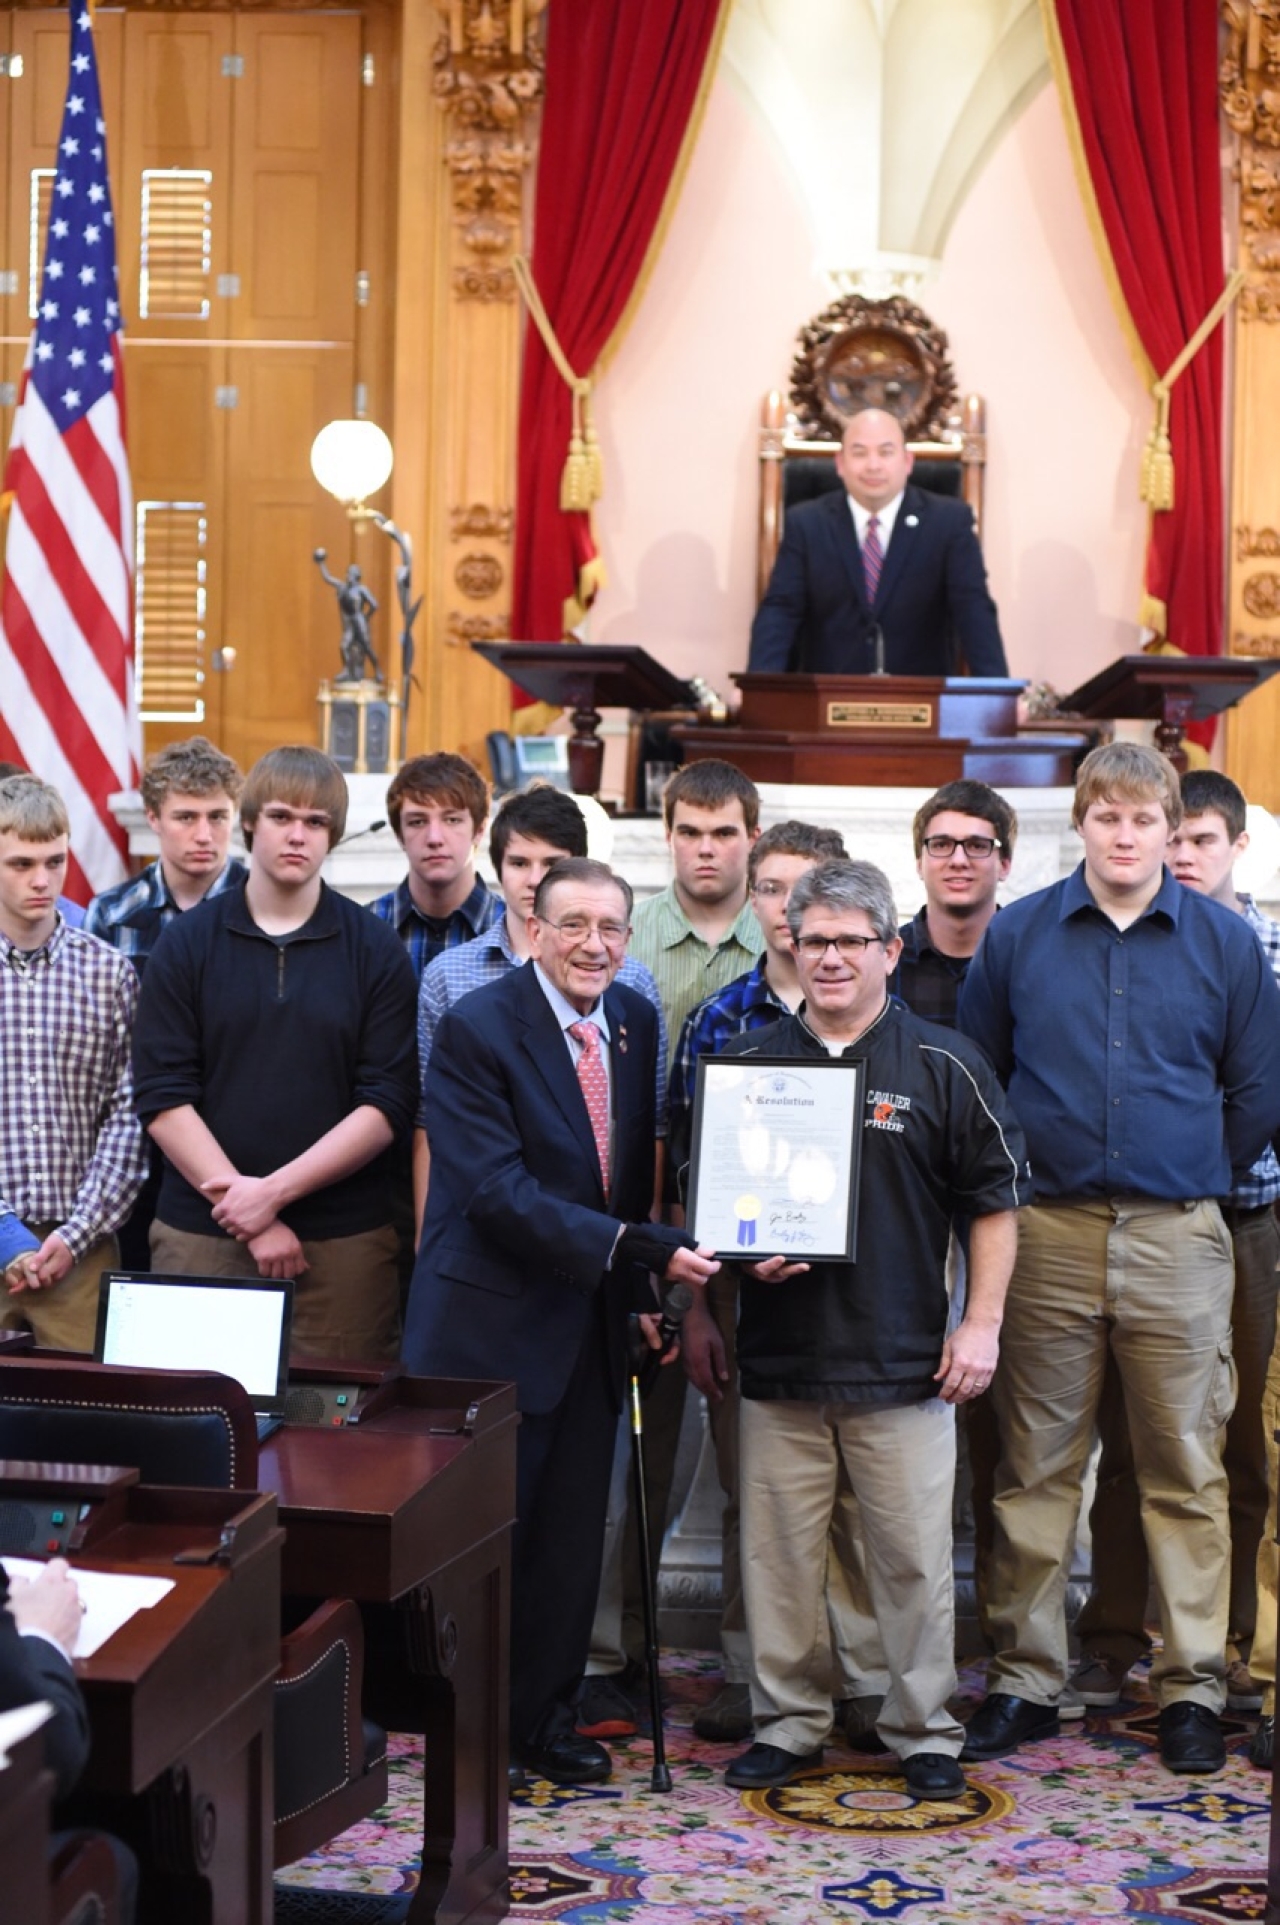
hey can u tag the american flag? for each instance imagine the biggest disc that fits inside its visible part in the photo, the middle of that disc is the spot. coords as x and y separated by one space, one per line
67 706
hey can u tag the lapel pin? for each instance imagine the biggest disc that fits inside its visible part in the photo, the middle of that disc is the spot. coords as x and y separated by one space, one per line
622 1038
913 521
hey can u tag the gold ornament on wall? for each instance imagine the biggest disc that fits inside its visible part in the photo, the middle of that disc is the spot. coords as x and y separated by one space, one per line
461 630
489 79
1261 595
479 576
1256 541
1267 646
1247 85
495 524
860 353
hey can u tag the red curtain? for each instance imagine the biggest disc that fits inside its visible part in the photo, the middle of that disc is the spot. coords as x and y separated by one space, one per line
622 84
1143 81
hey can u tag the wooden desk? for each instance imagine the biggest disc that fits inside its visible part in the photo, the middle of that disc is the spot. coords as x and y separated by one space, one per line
408 1509
180 1698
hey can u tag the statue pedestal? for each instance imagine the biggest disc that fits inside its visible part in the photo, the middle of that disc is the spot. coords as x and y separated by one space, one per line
357 725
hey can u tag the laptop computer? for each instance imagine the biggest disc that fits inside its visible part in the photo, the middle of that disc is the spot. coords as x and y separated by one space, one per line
237 1325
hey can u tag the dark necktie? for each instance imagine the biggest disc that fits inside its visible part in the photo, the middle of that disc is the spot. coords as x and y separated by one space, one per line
594 1084
872 559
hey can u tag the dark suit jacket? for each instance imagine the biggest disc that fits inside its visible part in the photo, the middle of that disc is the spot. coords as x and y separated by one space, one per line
32 1668
932 602
518 1232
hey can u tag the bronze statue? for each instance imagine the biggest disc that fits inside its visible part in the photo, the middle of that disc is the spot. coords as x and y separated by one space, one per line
355 604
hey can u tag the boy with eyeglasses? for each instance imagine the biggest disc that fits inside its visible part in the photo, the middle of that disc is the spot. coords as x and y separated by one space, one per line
274 1065
964 836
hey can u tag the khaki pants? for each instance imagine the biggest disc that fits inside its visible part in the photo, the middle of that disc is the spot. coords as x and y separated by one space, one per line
1113 1620
347 1302
1149 1284
66 1317
900 1463
1262 1659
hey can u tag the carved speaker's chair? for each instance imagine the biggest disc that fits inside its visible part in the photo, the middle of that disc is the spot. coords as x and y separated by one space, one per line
860 353
198 1428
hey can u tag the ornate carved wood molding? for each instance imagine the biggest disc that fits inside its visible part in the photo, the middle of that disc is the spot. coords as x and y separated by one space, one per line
1249 90
489 76
1251 103
860 353
478 520
461 630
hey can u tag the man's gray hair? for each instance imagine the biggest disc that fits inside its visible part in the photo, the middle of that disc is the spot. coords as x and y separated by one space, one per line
845 885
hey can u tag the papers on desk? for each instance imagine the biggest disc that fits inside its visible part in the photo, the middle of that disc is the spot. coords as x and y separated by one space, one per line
112 1598
19 1724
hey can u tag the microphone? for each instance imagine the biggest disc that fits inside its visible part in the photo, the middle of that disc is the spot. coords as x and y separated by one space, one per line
370 829
877 643
646 1362
674 1311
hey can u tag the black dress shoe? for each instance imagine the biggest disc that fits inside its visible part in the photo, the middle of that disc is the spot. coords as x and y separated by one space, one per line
516 1780
933 1774
1002 1723
568 1759
764 1765
1190 1738
1263 1743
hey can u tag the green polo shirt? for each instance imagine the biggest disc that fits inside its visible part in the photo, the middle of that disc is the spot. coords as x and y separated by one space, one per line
685 966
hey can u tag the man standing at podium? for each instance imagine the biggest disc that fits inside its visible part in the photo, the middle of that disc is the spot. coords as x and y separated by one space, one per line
882 560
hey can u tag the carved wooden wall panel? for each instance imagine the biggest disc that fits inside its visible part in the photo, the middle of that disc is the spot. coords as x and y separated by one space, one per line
472 83
1251 57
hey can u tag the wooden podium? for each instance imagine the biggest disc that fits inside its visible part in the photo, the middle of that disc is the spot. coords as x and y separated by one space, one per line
1171 690
586 677
884 731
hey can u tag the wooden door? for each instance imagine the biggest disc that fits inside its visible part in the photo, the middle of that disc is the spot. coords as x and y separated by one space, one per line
291 365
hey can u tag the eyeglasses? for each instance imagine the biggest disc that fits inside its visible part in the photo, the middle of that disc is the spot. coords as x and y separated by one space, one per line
577 929
977 848
850 947
282 818
771 891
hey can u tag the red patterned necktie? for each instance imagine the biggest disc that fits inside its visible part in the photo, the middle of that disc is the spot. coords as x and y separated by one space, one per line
872 558
594 1084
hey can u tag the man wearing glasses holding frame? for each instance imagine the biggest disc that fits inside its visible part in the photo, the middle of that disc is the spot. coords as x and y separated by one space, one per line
539 1106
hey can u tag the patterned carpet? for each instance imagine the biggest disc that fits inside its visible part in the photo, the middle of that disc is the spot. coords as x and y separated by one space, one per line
1082 1829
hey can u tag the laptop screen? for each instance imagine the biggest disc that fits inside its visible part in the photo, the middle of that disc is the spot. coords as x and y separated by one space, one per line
236 1325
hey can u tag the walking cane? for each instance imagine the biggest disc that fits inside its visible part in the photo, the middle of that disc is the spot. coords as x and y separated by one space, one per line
641 1355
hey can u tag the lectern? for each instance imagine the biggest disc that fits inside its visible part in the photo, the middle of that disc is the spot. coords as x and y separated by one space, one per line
586 677
1171 690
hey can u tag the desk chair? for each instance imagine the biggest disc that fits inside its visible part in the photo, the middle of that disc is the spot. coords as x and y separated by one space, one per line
84 1881
198 1428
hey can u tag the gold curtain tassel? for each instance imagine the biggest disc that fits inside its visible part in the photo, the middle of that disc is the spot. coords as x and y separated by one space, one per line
1156 485
595 464
575 481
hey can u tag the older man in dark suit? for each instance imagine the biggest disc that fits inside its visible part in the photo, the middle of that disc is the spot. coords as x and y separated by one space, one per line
539 1103
883 555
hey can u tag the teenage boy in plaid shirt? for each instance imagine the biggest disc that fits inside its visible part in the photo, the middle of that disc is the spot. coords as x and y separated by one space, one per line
72 1153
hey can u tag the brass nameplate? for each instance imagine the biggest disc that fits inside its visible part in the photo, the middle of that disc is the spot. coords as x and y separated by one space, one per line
879 715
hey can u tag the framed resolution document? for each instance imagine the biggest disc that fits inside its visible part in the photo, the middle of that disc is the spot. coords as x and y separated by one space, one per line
777 1157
